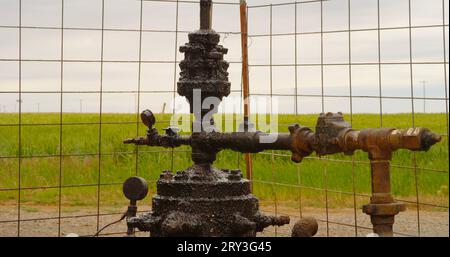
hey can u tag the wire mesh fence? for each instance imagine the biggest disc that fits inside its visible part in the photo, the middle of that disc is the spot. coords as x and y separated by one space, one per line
76 74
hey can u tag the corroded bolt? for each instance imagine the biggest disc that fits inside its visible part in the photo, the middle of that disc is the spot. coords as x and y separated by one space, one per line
197 177
181 175
235 175
235 172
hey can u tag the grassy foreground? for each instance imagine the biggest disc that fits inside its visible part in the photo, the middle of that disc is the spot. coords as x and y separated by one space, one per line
305 182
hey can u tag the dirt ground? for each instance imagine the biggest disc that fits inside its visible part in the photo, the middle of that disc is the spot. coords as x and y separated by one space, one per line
341 222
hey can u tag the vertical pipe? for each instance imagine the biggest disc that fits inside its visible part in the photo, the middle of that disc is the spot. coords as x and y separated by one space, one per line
381 181
245 84
205 14
382 208
381 195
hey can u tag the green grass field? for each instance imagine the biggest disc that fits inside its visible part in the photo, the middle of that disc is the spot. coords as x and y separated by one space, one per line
81 165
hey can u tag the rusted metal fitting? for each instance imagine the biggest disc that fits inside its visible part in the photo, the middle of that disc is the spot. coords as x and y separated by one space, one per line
305 227
374 141
235 175
414 139
329 128
383 224
263 221
205 14
383 209
303 140
381 142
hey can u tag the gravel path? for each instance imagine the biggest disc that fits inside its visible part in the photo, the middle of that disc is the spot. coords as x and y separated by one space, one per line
341 222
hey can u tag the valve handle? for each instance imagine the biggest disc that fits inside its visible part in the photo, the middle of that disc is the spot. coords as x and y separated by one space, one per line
149 121
148 118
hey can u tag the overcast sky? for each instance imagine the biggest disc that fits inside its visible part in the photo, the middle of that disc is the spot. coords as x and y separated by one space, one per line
45 44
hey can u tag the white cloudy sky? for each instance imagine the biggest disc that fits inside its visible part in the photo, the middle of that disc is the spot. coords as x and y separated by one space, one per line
42 79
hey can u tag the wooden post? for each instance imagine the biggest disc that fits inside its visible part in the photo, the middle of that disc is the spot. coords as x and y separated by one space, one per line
244 47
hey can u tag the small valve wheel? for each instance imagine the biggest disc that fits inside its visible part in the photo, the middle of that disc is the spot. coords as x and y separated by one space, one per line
148 118
135 188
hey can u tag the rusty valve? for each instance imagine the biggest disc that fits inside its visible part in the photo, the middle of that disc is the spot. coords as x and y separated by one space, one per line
232 210
333 135
134 189
380 143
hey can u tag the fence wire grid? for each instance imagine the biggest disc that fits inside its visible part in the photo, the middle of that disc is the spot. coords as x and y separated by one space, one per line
32 206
